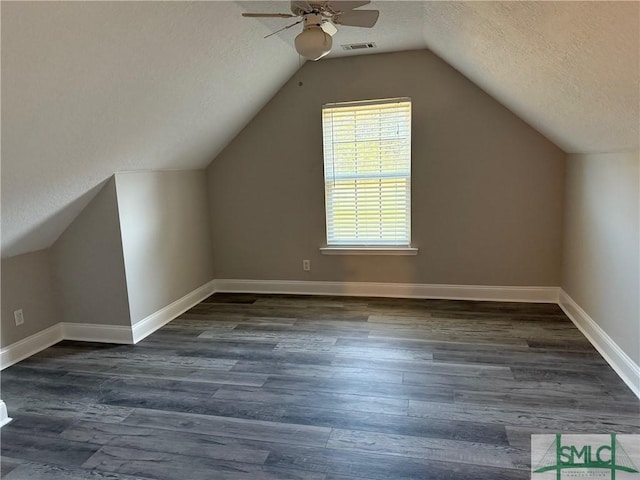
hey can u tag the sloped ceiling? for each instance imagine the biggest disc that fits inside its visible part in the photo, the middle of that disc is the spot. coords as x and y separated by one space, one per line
91 88
571 69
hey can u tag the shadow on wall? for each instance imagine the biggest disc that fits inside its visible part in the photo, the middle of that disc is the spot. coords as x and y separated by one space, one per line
50 228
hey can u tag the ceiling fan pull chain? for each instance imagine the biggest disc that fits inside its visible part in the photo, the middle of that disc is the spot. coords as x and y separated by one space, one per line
284 28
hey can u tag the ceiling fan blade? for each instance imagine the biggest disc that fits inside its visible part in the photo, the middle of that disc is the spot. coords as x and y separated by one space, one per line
329 28
268 15
357 18
339 6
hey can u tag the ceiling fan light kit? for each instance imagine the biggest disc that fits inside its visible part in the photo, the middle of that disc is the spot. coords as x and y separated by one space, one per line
319 18
313 43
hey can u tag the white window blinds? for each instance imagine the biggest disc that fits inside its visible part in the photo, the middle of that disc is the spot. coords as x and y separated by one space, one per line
367 172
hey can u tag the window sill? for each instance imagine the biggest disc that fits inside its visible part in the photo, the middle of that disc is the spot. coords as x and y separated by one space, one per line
355 250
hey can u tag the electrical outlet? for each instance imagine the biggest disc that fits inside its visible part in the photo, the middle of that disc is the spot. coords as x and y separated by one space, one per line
306 265
19 317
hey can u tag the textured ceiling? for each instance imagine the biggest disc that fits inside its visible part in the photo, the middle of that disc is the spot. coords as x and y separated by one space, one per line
568 68
91 88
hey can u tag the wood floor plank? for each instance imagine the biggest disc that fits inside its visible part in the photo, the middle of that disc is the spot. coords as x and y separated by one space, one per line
278 337
588 375
75 410
230 427
40 448
507 385
428 366
164 467
75 387
556 420
326 400
167 441
370 466
36 424
356 387
525 358
322 371
218 408
381 352
467 431
249 354
159 386
427 448
40 471
131 358
422 339
549 399
304 324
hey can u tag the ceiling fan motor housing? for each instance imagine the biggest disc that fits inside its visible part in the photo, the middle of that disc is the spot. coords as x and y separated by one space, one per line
312 20
300 9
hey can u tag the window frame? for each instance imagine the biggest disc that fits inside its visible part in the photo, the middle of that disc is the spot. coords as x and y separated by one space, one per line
352 246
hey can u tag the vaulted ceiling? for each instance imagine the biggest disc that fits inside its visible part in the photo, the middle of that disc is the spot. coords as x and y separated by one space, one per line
91 88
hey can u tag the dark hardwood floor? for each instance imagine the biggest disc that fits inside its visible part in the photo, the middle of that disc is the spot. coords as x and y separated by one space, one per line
327 388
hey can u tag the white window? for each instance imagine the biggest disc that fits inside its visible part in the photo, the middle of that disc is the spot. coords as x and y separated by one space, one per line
367 173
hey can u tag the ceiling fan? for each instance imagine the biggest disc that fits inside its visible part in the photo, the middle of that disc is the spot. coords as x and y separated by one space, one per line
320 20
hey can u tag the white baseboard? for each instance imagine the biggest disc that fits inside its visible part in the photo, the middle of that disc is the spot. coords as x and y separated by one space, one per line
396 290
623 365
87 332
4 416
30 346
84 332
153 322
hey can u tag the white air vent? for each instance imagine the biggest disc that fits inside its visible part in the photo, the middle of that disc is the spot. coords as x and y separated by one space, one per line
359 46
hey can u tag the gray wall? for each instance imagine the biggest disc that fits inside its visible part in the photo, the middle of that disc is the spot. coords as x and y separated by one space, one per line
487 188
166 237
601 265
27 283
89 266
